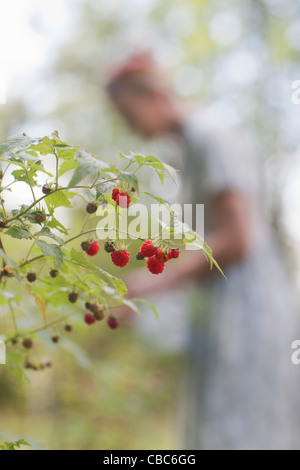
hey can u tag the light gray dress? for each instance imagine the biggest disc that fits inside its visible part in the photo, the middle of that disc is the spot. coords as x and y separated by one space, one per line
242 390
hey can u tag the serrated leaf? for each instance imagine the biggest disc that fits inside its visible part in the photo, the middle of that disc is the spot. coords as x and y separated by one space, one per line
16 143
139 158
49 249
130 179
37 167
57 199
25 176
104 187
54 223
88 164
18 232
67 166
46 232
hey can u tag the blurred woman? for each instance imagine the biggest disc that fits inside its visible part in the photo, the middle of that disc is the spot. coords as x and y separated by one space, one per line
241 387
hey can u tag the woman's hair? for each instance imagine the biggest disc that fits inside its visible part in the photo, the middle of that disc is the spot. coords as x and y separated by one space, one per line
138 74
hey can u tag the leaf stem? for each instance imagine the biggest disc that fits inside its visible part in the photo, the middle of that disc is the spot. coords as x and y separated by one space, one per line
13 317
56 168
31 188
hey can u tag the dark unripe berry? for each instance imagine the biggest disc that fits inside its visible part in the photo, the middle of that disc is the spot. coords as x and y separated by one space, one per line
39 218
31 277
73 297
113 323
54 272
68 328
14 341
99 315
139 256
92 307
85 246
55 339
8 271
91 207
2 224
29 365
109 246
46 189
27 343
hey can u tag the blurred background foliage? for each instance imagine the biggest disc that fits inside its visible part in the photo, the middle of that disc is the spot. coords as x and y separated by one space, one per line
237 59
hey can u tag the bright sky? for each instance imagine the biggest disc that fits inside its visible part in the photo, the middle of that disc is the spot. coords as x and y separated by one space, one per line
28 29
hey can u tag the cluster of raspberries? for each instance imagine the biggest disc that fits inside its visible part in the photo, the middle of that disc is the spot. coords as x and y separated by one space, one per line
95 313
121 198
156 256
120 257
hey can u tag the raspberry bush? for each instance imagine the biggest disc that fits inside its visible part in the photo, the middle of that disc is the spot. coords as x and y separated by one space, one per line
58 277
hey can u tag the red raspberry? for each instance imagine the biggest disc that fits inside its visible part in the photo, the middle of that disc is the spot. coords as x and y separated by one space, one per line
160 256
89 318
154 266
147 249
115 193
120 258
172 254
113 323
123 200
93 250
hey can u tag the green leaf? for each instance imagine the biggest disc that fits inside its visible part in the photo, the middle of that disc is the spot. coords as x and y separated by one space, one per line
57 199
54 223
67 166
88 164
25 176
139 159
16 143
129 157
37 167
18 232
46 232
130 179
49 249
104 187
158 199
171 171
12 445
